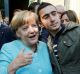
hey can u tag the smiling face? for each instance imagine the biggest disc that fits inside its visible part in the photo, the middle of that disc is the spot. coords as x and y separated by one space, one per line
49 18
65 20
25 25
29 32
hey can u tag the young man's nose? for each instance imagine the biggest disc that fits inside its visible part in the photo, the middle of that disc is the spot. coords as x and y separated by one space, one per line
51 17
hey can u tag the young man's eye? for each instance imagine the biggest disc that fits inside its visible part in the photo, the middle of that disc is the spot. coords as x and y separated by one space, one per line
46 16
53 13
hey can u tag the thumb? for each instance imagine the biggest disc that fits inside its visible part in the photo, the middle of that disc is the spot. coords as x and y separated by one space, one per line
21 51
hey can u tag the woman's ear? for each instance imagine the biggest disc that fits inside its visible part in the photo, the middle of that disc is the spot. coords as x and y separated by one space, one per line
18 34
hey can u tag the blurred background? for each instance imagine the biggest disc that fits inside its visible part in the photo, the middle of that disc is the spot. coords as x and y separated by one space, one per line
7 7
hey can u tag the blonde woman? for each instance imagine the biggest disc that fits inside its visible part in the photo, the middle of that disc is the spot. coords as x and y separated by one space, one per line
26 55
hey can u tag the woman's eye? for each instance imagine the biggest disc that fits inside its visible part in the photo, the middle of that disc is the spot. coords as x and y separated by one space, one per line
34 25
67 20
24 28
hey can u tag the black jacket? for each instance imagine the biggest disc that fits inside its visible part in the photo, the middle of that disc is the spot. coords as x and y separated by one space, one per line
6 35
68 51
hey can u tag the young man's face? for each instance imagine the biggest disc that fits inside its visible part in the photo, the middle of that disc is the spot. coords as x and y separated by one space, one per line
49 18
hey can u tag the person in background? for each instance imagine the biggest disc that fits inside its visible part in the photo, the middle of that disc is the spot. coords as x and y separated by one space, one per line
69 16
6 21
6 35
60 9
1 19
63 41
33 6
25 55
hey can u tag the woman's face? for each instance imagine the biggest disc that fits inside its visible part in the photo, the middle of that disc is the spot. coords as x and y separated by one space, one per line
65 19
29 32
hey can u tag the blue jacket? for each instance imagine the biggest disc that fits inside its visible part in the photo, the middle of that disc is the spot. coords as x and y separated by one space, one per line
40 64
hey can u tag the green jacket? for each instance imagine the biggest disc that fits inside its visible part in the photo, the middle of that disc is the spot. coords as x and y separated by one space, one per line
68 51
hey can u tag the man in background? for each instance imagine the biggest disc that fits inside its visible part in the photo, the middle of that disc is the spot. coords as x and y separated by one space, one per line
60 9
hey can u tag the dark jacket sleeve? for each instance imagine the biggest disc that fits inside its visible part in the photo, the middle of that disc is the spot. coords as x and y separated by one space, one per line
6 35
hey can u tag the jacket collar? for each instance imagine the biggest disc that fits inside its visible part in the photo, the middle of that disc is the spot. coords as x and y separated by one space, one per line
70 26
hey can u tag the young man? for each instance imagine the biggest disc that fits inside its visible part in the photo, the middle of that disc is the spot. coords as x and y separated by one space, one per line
63 42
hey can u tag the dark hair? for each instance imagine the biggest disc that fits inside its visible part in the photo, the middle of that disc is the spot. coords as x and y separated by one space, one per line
43 5
71 15
32 6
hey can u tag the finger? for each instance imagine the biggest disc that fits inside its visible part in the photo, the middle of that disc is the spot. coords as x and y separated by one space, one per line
28 57
28 54
29 61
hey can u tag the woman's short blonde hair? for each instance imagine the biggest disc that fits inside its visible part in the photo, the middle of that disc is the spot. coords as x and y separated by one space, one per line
21 17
